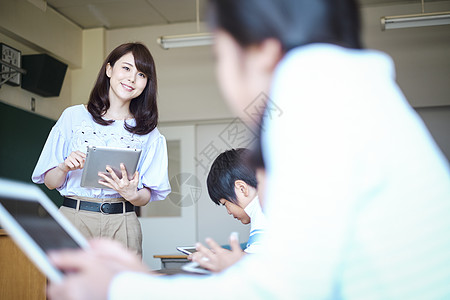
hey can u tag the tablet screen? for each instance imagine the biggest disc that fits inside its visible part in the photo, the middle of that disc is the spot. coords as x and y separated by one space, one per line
40 225
98 157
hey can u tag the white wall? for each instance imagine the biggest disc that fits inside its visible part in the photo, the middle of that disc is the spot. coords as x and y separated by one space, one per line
188 88
93 54
421 55
46 30
161 235
437 119
186 78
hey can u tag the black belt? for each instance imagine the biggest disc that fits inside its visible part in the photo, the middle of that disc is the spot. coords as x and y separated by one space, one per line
104 207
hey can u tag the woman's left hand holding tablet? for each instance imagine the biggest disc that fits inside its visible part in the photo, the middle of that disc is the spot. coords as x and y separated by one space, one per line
125 187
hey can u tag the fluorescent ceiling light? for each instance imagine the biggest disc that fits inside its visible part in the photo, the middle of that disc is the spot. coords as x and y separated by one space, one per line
416 20
185 40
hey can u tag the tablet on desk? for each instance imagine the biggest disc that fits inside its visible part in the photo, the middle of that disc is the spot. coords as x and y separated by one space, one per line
194 267
186 249
35 224
98 157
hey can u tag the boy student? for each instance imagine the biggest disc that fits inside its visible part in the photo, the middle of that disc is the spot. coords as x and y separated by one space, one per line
232 183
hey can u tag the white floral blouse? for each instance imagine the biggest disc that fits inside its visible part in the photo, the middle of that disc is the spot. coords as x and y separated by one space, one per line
76 129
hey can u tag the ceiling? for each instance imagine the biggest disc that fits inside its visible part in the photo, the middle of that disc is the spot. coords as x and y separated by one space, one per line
113 14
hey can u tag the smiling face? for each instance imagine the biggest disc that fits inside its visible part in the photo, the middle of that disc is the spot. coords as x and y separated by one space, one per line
126 81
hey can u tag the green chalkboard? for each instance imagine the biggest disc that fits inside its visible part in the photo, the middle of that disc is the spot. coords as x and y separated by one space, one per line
22 136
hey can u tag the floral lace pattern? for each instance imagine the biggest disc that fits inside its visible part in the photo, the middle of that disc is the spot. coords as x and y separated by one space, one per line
84 135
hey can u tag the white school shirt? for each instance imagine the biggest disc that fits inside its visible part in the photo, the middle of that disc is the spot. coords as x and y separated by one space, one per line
257 226
358 194
76 129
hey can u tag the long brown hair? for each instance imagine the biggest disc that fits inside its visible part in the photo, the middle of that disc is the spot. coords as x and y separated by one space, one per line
143 108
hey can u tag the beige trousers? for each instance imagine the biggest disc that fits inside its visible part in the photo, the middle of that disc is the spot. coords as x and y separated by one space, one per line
124 227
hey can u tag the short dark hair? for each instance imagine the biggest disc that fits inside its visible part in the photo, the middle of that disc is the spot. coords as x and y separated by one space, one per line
143 108
293 22
228 167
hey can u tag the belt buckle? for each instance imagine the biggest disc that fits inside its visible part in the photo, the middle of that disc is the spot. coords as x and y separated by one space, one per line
101 208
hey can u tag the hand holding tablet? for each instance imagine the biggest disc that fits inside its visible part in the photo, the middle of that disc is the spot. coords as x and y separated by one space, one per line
215 258
98 158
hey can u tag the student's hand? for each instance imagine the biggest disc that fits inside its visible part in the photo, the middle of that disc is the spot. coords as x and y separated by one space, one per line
217 259
125 187
74 161
89 273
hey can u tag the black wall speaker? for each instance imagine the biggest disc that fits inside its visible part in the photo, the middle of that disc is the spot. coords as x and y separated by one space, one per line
45 75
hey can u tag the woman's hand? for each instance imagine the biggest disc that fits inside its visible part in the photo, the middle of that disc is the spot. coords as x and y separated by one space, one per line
56 177
74 161
125 187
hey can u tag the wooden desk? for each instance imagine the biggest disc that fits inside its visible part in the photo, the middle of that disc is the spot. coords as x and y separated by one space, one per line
171 265
173 262
19 278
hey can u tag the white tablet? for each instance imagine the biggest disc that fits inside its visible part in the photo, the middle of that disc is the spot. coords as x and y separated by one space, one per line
194 267
98 157
35 224
186 250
